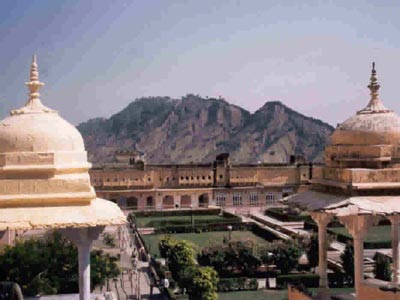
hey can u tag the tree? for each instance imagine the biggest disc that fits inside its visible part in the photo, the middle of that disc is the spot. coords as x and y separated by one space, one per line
201 282
180 256
233 257
285 255
382 269
242 259
50 266
165 244
312 251
347 258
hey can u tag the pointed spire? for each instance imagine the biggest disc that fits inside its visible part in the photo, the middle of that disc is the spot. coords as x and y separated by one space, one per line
34 84
375 104
374 85
34 105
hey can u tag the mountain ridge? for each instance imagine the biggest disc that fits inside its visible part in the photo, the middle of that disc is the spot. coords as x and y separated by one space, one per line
194 129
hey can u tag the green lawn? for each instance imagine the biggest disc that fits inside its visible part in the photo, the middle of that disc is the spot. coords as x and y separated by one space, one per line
201 240
151 221
270 294
376 234
254 295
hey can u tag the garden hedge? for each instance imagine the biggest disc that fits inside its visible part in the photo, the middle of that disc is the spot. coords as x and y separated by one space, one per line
211 220
237 284
310 280
200 228
307 279
170 213
279 214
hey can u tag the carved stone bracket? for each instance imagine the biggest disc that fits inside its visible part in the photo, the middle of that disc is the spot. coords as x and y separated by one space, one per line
321 218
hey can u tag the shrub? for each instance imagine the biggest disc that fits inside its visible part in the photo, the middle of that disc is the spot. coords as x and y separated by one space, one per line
308 280
200 228
382 269
285 256
50 266
170 213
237 284
234 257
347 258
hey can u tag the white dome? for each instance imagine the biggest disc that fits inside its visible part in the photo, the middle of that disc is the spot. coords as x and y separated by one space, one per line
42 132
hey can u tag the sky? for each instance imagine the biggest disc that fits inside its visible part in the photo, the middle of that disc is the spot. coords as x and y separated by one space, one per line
96 56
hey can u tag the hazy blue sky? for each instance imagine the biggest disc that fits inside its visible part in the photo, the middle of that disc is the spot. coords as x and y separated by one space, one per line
96 56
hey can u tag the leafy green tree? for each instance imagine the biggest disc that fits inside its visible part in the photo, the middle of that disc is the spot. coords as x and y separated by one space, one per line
200 282
233 257
242 259
347 258
180 256
165 244
285 256
382 269
50 266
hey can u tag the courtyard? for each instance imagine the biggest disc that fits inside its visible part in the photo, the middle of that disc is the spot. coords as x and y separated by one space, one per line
180 220
201 240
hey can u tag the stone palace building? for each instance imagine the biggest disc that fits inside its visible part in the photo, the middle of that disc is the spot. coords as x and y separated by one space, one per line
135 185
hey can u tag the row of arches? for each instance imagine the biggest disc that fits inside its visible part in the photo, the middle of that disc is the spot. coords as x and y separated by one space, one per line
133 202
168 201
185 201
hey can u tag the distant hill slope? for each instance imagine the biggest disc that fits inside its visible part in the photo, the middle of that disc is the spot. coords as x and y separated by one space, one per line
194 129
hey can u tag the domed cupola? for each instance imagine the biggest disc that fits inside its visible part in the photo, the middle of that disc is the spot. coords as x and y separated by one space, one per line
369 139
44 179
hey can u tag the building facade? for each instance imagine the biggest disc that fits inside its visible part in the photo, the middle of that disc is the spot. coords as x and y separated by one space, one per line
135 185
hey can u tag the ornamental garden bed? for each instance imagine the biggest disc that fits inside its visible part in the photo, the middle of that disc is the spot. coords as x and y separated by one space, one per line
161 220
201 240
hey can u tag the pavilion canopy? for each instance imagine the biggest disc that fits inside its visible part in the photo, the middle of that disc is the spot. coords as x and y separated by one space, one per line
341 205
98 213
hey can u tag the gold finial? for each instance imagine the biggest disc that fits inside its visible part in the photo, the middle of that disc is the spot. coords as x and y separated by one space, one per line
34 84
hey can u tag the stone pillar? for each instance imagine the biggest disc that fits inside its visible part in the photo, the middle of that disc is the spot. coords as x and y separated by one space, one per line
357 225
395 249
322 220
84 270
358 239
83 238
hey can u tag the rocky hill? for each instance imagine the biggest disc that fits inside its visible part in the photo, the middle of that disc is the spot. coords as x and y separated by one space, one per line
194 129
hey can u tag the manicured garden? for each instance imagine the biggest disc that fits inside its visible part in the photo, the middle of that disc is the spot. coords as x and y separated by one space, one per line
254 295
270 294
183 221
178 220
201 240
231 266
